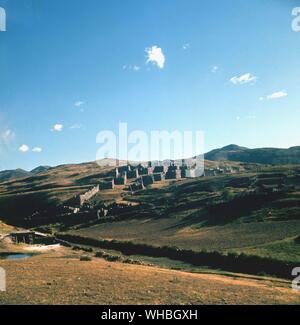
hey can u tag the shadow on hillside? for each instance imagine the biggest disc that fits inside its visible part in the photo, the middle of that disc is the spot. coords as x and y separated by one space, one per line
226 212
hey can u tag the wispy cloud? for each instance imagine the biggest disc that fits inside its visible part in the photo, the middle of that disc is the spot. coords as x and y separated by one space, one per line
156 56
6 136
243 79
277 95
24 148
215 69
37 149
186 46
79 103
57 128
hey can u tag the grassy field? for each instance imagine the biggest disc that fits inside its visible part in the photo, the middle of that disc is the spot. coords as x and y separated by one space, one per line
264 239
284 250
61 278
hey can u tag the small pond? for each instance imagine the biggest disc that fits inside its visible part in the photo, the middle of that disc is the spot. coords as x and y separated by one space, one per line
14 256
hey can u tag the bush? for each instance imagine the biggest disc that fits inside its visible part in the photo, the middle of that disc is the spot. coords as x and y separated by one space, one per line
227 195
110 258
100 254
85 258
134 262
113 258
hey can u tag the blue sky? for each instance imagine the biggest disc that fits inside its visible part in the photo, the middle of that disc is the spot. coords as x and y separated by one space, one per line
69 69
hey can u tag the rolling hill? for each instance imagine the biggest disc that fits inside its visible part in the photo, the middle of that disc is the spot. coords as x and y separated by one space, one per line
273 156
23 193
8 175
40 169
234 212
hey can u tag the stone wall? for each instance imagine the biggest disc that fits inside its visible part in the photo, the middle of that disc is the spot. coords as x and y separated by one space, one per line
88 195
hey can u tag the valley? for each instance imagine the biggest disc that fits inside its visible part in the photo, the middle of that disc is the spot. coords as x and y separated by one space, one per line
239 229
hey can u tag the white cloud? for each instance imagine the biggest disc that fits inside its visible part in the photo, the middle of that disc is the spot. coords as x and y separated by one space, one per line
79 103
58 127
37 149
156 56
186 46
214 69
243 79
7 135
277 95
24 148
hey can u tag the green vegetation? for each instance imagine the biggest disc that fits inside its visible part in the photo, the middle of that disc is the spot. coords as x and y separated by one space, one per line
233 262
284 250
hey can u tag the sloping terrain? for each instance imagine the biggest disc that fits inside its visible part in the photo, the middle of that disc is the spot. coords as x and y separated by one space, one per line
47 190
222 213
254 212
40 169
8 175
260 156
60 278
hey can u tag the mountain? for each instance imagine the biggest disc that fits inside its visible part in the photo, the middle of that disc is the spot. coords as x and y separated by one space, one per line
272 156
8 175
40 169
230 153
224 153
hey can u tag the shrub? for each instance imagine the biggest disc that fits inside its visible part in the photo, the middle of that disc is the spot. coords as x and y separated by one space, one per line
113 258
100 254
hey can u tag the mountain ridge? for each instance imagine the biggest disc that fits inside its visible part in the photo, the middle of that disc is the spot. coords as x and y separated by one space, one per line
13 174
231 153
270 156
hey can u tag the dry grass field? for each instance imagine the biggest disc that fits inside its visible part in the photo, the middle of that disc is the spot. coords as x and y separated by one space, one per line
61 278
